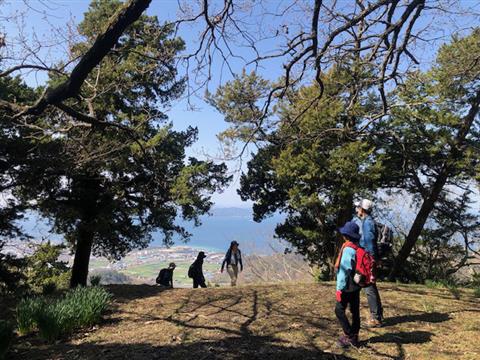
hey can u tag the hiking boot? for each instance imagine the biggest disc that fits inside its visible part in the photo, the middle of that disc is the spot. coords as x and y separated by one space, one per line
346 341
374 323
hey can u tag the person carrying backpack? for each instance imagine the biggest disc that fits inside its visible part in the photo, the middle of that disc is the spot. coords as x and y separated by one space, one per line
233 258
368 241
347 290
196 271
165 276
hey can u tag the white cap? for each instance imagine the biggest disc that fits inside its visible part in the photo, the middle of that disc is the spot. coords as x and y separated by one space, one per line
365 204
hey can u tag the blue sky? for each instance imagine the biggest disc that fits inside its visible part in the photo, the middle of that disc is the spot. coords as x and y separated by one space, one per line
208 121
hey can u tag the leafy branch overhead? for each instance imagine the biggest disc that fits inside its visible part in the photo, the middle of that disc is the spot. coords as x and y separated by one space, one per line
70 87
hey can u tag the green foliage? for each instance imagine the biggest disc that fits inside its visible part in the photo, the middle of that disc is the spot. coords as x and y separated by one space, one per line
312 164
109 186
49 288
321 274
45 273
449 284
57 318
12 277
6 337
476 291
95 280
316 156
27 313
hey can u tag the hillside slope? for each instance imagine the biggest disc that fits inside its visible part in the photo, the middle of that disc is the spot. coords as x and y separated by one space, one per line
269 322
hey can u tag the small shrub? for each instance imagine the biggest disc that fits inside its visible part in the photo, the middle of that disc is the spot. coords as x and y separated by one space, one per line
6 337
49 288
95 280
428 307
432 284
27 313
476 292
321 274
453 290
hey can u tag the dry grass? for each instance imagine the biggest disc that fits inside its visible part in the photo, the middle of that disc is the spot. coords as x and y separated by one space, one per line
269 322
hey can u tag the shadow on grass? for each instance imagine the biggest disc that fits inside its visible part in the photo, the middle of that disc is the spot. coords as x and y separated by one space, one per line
403 337
264 348
433 317
124 293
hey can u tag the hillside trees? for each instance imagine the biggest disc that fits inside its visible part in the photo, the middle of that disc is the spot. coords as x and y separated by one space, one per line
434 152
310 168
313 165
105 165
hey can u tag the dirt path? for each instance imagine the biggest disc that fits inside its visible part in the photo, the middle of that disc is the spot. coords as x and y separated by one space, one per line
269 322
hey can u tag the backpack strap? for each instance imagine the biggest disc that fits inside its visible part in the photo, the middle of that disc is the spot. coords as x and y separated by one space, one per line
352 245
345 244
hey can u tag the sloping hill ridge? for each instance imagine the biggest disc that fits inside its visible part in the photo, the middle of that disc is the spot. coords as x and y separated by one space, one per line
294 321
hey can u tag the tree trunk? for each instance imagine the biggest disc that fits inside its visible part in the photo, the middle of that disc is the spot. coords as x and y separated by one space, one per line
82 256
436 189
418 224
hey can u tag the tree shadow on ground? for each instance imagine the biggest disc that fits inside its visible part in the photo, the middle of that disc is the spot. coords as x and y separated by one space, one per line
403 337
433 317
123 293
264 348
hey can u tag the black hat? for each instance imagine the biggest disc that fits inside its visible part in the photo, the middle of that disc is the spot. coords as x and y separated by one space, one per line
201 255
234 243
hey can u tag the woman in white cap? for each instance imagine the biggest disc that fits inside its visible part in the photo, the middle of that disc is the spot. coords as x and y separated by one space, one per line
368 241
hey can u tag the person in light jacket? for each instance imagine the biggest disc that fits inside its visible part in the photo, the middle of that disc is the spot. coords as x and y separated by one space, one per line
368 241
233 259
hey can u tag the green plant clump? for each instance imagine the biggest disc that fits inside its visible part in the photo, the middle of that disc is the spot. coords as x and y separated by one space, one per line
28 312
81 307
6 337
476 292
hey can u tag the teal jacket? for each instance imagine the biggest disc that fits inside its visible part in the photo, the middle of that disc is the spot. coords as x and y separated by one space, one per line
346 271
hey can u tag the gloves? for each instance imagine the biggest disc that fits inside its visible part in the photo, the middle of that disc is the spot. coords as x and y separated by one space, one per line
338 295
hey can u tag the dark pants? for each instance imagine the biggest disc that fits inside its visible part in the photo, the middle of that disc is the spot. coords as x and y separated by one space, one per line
199 282
352 299
374 302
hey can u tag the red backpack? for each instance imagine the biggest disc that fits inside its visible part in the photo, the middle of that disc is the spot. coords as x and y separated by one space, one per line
365 266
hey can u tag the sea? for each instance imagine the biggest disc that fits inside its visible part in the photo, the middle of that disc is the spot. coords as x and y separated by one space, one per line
215 233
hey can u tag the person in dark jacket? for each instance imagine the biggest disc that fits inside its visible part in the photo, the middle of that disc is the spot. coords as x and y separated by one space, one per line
196 272
368 241
165 276
233 259
348 292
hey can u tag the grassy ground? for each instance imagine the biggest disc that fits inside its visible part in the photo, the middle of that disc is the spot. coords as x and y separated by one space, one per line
269 322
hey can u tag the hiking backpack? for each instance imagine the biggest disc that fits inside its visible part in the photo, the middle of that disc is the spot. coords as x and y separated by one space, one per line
384 235
364 266
160 276
190 271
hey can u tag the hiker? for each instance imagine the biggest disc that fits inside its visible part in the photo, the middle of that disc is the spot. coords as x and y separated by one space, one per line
233 258
165 276
347 290
368 241
196 272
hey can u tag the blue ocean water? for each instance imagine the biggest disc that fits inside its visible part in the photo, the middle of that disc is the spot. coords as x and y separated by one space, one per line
217 231
214 234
